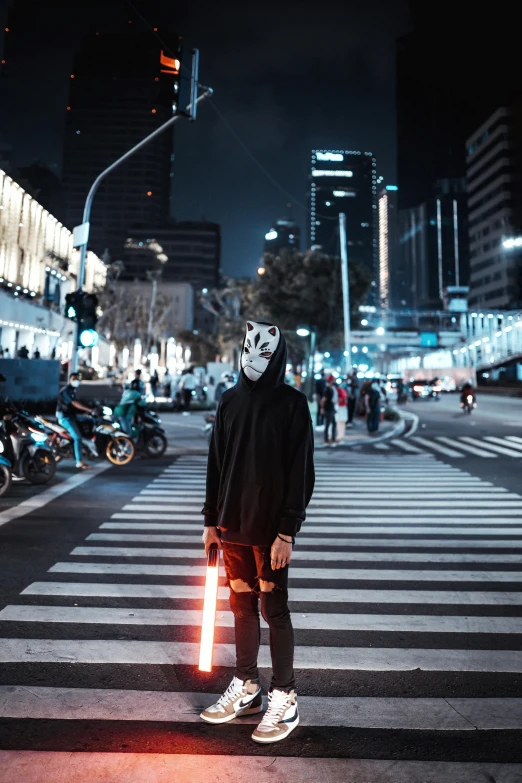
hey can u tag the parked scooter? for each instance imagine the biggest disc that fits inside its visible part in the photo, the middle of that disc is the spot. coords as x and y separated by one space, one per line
100 438
25 446
148 434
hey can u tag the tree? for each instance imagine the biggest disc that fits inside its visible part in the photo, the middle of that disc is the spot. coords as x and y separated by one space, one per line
306 289
203 347
232 305
126 311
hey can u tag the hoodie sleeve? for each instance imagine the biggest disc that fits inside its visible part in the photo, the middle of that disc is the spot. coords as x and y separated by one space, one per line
300 474
214 465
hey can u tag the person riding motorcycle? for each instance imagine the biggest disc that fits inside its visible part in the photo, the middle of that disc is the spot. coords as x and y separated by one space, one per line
125 410
467 391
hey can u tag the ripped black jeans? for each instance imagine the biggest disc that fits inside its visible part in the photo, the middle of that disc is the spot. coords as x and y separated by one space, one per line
250 564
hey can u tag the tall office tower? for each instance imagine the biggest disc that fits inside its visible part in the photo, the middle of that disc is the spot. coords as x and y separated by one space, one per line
451 75
345 181
121 89
387 243
494 178
433 249
284 235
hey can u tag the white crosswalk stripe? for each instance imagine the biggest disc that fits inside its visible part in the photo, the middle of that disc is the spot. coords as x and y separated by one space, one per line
488 447
401 568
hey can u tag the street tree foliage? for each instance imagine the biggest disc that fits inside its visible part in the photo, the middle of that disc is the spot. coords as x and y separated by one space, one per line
126 306
296 289
305 289
232 304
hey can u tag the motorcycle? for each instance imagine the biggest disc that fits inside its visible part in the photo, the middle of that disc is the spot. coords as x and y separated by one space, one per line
468 404
100 438
147 433
5 468
26 448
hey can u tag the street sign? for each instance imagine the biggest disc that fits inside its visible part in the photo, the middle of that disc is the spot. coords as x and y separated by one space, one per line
81 235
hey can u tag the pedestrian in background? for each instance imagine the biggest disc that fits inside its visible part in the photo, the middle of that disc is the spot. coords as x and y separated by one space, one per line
373 407
188 386
328 409
352 388
320 386
154 380
341 414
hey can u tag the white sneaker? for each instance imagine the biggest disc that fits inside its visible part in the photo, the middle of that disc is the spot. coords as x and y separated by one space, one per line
281 717
240 698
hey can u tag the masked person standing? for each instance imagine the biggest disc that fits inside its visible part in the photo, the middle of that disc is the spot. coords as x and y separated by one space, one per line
260 479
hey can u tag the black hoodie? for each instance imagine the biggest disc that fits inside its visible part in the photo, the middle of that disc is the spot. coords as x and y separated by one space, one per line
260 474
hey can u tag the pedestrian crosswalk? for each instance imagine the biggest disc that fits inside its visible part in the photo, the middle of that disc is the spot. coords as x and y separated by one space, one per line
488 447
406 597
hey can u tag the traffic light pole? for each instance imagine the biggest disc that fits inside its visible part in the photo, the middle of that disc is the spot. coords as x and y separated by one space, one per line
96 184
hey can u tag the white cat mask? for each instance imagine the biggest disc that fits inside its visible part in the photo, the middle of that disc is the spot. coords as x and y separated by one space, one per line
261 341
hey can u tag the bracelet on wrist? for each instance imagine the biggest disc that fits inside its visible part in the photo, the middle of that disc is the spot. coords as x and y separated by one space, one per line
284 539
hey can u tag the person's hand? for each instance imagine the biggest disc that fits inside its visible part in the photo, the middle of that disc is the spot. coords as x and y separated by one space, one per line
281 552
211 536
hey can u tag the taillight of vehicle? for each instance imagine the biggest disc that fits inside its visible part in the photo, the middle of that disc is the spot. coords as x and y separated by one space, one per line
418 388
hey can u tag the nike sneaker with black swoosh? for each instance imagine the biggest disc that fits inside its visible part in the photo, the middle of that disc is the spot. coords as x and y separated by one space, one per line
240 698
280 718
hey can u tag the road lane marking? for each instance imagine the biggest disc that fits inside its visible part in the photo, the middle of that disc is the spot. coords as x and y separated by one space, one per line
492 447
164 553
328 574
48 495
311 621
469 449
306 595
437 447
67 651
307 541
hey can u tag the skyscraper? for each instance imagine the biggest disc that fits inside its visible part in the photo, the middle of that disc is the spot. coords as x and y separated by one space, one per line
494 179
345 181
433 248
121 89
387 243
285 234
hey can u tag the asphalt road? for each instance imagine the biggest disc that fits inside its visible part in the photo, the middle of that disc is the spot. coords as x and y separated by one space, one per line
407 603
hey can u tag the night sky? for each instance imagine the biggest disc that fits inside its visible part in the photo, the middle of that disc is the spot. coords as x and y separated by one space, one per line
287 78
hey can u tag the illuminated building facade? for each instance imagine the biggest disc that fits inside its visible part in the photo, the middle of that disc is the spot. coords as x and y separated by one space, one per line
121 89
38 266
345 181
387 242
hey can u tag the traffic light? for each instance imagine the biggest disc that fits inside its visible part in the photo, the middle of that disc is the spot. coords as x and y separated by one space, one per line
81 307
87 334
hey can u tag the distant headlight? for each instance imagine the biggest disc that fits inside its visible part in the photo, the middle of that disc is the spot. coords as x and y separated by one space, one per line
1 447
106 411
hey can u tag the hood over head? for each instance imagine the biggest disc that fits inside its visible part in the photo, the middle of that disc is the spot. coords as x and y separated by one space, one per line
274 373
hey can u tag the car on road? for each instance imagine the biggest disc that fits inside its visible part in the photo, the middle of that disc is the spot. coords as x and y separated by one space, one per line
425 390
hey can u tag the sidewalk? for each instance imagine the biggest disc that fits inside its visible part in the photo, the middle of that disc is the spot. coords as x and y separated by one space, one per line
358 435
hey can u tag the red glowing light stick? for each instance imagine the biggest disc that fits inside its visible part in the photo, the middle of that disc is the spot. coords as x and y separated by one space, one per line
209 610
